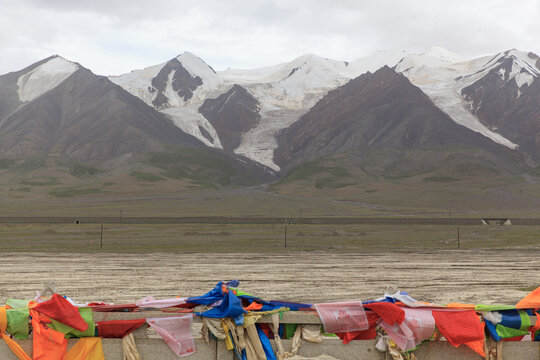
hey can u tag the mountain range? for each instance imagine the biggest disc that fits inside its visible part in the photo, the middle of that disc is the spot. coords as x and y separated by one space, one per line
332 124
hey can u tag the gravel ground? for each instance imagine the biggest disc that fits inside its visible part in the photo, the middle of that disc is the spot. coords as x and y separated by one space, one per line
470 276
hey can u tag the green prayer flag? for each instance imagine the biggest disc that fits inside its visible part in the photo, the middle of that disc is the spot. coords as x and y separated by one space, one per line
86 314
494 307
17 304
525 320
507 332
17 323
290 329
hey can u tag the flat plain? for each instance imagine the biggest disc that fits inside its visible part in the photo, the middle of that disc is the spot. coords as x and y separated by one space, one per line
494 264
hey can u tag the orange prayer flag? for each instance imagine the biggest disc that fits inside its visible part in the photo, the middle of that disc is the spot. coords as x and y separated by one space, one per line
461 306
48 344
3 319
86 349
254 306
531 301
15 348
477 347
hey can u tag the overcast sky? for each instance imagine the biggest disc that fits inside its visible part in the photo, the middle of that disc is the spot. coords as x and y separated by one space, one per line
116 36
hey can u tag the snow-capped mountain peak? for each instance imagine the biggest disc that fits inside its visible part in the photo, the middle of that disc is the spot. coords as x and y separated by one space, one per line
284 92
197 67
526 60
45 77
509 65
374 62
435 58
445 54
307 64
310 72
287 90
177 88
171 83
443 80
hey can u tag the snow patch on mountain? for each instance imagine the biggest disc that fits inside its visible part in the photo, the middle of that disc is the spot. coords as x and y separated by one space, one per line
522 71
285 91
260 142
523 78
442 80
374 62
190 121
197 67
288 90
44 78
183 113
139 82
417 63
524 61
288 85
174 100
445 55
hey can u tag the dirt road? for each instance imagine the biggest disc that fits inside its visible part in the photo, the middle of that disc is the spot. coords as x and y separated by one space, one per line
444 276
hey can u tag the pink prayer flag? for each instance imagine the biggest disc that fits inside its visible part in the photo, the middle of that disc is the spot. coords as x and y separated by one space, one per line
176 332
150 302
418 325
342 316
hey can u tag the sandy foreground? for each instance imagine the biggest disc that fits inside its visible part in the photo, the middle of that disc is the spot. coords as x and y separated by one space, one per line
470 276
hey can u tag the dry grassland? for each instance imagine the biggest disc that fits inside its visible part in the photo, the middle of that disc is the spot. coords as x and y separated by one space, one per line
320 263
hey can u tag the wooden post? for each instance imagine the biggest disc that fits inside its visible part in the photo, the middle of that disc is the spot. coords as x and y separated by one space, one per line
101 237
285 235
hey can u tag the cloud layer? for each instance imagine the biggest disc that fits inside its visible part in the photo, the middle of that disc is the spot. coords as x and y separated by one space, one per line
116 36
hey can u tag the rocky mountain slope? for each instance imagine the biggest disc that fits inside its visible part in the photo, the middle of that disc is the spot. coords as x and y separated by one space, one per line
285 92
86 118
375 111
232 114
59 109
282 92
177 88
506 99
436 107
462 88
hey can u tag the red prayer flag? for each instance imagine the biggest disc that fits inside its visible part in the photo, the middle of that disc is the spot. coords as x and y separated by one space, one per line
118 328
459 327
63 311
389 312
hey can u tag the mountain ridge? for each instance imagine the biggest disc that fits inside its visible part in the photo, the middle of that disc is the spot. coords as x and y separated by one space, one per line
88 121
266 123
379 110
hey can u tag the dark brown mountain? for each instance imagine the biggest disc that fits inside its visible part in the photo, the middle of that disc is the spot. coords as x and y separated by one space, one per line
507 100
9 95
89 119
232 114
376 111
182 83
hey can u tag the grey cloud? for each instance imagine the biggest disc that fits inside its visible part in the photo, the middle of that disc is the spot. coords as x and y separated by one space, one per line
113 36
